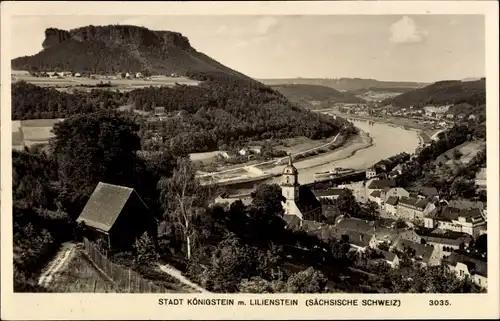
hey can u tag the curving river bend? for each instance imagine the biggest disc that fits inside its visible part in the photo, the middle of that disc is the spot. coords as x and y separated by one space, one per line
387 140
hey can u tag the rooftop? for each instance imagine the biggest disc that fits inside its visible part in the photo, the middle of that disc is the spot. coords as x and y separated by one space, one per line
382 183
392 200
328 192
420 251
105 205
413 202
474 264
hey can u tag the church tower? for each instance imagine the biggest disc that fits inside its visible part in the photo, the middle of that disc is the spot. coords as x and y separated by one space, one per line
290 188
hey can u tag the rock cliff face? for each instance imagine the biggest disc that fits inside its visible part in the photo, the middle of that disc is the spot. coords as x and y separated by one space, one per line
120 48
119 35
54 37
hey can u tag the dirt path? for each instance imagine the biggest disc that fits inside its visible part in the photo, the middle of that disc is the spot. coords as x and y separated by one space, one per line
59 261
178 275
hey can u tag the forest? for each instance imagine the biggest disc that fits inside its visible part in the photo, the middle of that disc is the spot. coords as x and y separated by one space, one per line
221 112
451 92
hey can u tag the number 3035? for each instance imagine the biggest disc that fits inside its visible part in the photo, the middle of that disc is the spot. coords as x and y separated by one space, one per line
439 302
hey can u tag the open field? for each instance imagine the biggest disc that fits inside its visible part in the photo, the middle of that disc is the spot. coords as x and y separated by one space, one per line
467 149
75 82
299 144
32 131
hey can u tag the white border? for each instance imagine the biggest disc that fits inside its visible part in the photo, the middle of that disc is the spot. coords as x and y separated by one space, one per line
144 306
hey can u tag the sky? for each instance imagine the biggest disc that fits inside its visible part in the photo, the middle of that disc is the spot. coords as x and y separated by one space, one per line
423 48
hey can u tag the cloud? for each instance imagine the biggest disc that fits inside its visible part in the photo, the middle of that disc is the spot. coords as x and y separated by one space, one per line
406 30
265 24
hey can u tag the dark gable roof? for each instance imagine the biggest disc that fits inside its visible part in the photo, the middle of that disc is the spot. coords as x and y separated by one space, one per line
388 256
413 202
355 225
422 251
382 183
375 194
475 265
105 205
358 238
429 191
328 192
307 202
465 204
452 214
392 200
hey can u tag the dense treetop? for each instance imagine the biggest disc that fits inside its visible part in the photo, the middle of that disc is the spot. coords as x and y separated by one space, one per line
220 112
304 94
444 93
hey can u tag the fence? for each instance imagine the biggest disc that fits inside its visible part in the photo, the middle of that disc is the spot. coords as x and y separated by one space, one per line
124 278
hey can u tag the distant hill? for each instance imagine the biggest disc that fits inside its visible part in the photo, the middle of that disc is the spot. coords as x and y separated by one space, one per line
313 95
120 48
343 84
449 92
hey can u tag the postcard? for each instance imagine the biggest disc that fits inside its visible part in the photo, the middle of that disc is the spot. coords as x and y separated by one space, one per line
249 160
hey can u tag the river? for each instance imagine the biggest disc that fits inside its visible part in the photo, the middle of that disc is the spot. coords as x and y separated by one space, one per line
387 140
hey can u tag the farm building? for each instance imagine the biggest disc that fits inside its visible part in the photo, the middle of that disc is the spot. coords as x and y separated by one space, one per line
116 215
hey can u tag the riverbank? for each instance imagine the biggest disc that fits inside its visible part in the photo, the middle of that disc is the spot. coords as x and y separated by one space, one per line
405 123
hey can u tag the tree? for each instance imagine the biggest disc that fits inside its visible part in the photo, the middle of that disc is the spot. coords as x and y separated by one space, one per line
462 188
347 204
145 250
182 199
93 148
371 209
307 281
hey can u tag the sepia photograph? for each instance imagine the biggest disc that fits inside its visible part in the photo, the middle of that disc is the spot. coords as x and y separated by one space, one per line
333 154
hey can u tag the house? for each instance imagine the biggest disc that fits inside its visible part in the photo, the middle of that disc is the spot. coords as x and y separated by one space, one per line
453 219
138 75
428 193
116 215
77 74
244 151
414 209
411 235
481 178
398 169
255 149
227 200
226 155
417 252
375 196
371 173
390 258
472 117
391 204
299 199
445 243
393 192
464 265
380 184
159 111
331 193
449 115
466 204
358 240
